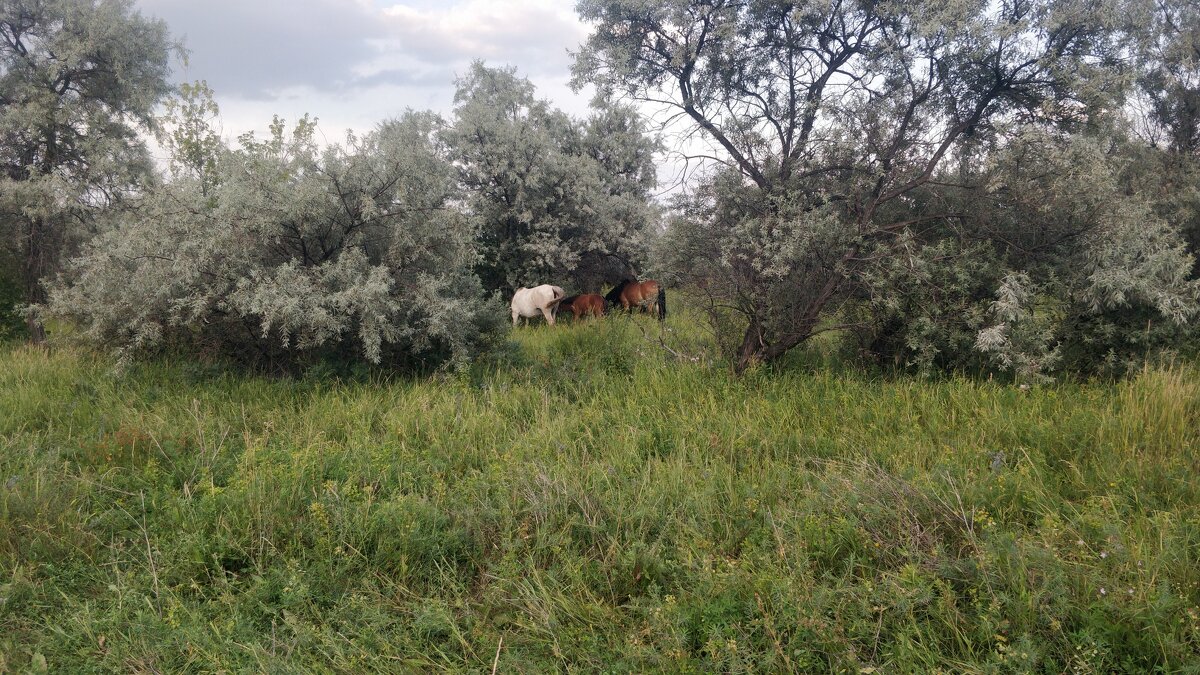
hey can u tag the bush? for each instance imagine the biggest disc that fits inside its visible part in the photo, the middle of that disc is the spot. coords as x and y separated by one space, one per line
280 253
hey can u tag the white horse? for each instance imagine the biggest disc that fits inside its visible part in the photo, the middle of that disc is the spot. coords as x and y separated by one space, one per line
527 302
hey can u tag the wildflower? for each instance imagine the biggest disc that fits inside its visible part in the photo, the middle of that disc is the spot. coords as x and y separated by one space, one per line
1103 591
1103 554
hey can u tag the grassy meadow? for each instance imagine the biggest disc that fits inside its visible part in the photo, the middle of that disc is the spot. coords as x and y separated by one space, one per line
587 502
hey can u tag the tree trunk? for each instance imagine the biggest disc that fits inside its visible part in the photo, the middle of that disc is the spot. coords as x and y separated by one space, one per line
758 347
750 352
37 332
32 271
755 348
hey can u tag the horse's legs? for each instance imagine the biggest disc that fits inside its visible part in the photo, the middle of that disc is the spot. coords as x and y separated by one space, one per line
515 315
548 314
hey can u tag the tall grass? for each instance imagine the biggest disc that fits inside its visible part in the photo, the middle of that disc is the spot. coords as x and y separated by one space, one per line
602 497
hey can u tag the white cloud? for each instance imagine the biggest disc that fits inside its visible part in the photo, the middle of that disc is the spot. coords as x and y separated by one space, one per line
254 49
533 33
353 63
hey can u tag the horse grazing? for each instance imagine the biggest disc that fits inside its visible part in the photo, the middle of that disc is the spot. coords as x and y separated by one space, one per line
648 295
586 304
528 302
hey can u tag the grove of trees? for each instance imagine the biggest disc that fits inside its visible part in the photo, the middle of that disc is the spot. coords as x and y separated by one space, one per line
280 251
968 185
942 180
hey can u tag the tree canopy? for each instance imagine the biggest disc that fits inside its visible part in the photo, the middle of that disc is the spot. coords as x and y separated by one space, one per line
78 80
967 185
554 198
856 138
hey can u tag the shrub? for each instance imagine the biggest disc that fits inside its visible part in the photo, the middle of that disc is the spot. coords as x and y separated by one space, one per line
282 252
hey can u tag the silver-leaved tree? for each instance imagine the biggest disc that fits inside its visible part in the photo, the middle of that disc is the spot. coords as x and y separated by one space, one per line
554 199
859 147
78 79
279 251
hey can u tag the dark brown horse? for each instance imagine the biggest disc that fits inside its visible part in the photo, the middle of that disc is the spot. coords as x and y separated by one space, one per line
586 304
648 295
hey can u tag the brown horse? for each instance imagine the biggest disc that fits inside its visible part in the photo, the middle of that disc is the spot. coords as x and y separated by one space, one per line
649 295
586 304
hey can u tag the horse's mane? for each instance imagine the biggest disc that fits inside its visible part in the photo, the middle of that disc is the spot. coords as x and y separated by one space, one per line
614 296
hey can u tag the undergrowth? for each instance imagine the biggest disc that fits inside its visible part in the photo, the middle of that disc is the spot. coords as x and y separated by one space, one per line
594 499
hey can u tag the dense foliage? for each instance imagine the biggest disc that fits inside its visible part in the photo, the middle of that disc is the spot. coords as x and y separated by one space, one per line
78 80
963 186
554 198
289 251
279 252
941 180
1048 263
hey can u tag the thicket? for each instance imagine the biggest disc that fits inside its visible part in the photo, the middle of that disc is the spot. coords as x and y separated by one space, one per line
553 199
971 187
388 248
281 252
952 186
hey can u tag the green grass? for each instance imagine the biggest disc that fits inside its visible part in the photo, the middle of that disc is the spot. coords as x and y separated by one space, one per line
599 506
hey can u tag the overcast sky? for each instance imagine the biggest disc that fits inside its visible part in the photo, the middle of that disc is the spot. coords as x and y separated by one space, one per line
353 63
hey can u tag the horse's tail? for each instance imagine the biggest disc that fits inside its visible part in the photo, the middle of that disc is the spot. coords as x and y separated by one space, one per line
662 303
